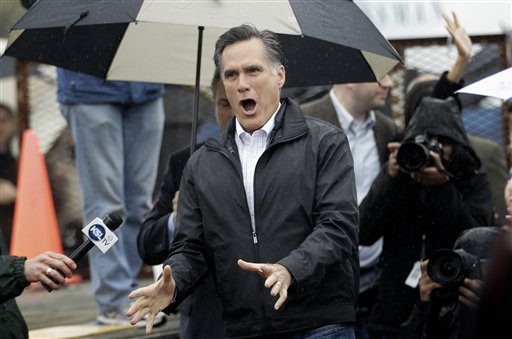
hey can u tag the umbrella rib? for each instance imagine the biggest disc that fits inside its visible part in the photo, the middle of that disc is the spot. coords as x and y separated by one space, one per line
196 90
80 17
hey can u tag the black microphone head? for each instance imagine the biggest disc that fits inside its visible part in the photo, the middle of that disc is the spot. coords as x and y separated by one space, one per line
113 221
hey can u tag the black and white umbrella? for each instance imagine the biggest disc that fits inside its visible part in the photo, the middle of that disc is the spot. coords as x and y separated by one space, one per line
172 41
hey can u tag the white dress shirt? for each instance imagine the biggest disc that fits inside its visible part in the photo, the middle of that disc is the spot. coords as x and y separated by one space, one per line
250 148
363 147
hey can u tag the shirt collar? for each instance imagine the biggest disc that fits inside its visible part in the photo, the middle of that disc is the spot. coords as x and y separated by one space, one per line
346 119
267 128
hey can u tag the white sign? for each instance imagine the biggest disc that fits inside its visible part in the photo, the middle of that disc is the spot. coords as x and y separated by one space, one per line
498 85
399 19
100 234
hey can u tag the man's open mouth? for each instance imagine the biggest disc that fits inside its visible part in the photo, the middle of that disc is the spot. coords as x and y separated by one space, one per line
249 105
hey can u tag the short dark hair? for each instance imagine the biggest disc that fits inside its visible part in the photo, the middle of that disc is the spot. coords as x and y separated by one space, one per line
245 32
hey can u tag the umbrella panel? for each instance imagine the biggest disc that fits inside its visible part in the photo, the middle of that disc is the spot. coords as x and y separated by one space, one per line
314 62
86 49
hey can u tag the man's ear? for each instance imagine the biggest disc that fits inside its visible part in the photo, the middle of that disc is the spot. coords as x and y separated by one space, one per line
281 73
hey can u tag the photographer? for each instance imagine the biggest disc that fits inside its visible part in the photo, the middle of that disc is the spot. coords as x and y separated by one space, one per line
420 211
450 288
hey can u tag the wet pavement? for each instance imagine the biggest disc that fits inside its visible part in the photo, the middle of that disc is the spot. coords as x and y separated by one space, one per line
58 313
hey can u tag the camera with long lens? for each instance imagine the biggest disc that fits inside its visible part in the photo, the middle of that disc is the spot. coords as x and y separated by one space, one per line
414 155
450 267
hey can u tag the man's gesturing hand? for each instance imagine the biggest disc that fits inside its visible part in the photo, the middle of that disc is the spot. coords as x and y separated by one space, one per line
278 278
152 299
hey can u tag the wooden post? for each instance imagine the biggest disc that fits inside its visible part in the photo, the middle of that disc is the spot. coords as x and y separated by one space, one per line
22 95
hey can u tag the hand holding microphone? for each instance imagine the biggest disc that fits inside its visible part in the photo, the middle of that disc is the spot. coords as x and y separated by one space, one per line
39 269
56 270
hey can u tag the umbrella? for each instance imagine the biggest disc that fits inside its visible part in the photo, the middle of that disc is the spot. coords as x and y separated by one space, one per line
325 41
498 85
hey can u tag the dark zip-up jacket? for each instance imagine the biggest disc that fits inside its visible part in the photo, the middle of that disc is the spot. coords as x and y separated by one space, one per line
306 219
12 284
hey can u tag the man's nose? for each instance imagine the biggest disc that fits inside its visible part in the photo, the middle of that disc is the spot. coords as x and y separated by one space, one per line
243 83
385 82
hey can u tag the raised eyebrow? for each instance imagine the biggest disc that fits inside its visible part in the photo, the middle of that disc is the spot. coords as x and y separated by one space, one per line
253 68
229 72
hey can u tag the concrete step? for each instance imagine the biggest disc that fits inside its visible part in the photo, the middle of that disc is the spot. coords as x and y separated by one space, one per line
71 313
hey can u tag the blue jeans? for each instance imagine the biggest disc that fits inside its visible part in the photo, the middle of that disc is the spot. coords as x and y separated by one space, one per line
117 149
361 330
335 331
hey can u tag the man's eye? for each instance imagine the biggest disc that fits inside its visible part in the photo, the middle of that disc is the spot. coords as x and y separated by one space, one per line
223 103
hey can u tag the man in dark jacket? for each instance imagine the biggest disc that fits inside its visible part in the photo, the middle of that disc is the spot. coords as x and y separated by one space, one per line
285 207
422 211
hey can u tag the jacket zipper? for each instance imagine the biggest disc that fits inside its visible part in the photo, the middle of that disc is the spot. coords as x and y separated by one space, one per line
231 150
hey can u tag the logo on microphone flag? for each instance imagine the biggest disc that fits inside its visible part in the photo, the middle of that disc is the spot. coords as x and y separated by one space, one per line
100 235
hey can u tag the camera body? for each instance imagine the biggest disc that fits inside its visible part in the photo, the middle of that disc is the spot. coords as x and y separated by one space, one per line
414 155
449 268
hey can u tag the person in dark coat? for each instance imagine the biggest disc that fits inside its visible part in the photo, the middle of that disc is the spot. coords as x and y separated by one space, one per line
201 312
297 228
449 310
422 211
16 273
491 155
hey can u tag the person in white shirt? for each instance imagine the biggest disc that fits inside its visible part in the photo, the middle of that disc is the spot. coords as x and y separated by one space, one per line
354 107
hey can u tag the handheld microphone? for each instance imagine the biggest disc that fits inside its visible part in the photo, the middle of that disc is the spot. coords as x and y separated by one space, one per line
112 221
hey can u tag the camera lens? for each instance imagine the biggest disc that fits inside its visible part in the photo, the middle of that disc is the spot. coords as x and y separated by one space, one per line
445 267
412 157
448 268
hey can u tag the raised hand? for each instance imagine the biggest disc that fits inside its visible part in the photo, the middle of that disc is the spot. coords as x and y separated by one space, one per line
152 299
278 278
463 43
459 35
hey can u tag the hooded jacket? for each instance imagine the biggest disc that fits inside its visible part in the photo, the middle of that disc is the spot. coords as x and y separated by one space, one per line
306 219
416 220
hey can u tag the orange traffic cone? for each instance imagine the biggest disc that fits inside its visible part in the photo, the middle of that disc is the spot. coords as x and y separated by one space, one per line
35 228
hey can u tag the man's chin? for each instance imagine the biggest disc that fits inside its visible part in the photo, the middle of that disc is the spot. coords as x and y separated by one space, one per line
251 125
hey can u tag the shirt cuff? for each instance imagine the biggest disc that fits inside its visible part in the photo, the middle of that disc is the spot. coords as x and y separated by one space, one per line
170 228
